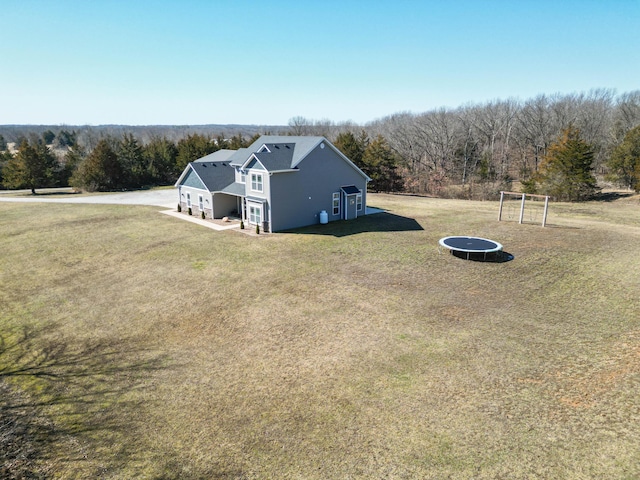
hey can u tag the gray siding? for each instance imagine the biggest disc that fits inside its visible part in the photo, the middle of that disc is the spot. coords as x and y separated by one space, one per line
194 196
266 184
192 180
297 198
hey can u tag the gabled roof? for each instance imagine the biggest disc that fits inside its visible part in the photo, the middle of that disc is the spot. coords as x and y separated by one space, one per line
214 175
302 147
239 157
274 156
275 153
274 159
217 156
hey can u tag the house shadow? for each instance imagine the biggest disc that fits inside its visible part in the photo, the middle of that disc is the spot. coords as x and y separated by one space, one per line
378 222
493 257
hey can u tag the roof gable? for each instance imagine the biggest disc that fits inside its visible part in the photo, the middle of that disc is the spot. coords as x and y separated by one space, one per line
254 163
301 145
211 176
272 157
284 153
191 179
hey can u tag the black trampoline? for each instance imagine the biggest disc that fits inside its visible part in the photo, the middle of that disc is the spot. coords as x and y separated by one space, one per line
470 245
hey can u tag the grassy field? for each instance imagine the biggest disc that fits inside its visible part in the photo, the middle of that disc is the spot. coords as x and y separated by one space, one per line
139 346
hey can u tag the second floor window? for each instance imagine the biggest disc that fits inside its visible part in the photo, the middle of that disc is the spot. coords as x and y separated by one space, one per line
256 182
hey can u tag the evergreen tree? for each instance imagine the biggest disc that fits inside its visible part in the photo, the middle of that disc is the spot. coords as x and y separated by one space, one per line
132 161
237 142
625 160
72 159
100 171
3 144
192 148
32 167
353 148
65 139
160 156
566 172
222 142
381 164
48 137
4 158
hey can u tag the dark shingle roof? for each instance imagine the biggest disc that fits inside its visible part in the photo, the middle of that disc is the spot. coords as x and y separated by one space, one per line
279 156
302 146
215 175
350 189
235 188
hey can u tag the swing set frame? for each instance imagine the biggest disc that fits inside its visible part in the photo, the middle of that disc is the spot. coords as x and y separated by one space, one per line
523 199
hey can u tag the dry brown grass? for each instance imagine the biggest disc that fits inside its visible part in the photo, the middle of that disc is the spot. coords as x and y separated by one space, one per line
351 350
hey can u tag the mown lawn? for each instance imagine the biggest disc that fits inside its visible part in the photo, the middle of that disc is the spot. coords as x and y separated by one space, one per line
140 346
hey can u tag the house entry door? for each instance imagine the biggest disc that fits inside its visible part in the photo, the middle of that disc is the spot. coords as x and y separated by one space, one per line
350 196
351 208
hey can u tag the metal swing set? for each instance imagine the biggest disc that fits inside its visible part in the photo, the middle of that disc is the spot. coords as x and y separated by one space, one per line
523 197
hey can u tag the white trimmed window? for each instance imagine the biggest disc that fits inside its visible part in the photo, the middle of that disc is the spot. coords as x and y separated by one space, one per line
255 215
200 203
359 201
336 203
256 182
188 199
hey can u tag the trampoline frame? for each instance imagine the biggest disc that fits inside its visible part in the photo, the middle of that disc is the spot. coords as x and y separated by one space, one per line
469 251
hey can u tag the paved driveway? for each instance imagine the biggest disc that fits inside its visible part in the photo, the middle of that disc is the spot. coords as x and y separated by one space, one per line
167 198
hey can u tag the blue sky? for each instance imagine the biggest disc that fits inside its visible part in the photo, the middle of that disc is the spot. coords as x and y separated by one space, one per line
264 62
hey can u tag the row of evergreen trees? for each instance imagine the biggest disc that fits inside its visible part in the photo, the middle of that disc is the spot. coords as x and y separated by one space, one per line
126 163
111 164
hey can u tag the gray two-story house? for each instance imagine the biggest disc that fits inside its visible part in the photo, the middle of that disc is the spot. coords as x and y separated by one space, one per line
279 183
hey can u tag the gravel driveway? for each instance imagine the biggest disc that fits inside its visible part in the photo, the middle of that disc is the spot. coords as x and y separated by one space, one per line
167 198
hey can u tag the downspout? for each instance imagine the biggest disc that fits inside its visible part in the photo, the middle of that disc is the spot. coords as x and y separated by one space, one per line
270 219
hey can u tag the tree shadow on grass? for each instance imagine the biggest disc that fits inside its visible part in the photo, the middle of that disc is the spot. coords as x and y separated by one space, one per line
378 222
64 404
613 196
55 194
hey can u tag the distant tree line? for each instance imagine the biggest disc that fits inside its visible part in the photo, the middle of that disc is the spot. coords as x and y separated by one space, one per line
558 145
475 151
